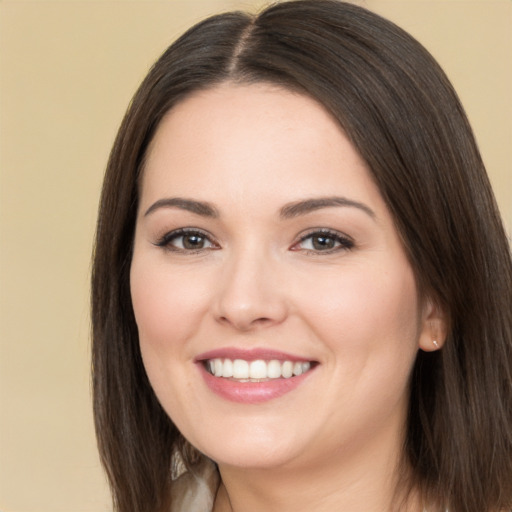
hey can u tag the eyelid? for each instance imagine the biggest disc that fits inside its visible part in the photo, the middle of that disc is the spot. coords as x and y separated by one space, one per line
165 240
345 242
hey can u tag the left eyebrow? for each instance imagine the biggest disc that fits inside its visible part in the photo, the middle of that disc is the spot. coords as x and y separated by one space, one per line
309 205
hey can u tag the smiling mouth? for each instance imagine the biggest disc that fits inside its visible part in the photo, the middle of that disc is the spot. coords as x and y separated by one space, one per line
258 370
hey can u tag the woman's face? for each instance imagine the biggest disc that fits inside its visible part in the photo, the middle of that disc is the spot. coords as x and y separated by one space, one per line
264 254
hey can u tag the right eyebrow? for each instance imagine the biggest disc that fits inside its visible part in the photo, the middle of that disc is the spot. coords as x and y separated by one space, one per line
198 207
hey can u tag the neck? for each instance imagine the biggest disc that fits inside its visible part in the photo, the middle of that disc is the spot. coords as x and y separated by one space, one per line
352 482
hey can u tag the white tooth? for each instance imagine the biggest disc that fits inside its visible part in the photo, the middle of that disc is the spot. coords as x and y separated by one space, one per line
306 367
227 368
274 369
297 369
211 366
287 369
258 369
218 367
240 369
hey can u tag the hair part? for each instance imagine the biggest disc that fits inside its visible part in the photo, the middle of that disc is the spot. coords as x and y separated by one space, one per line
402 115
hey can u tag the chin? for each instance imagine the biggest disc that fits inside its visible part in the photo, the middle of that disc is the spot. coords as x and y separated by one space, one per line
253 449
252 458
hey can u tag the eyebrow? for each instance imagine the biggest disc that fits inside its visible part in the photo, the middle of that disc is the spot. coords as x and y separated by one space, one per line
309 205
198 207
288 211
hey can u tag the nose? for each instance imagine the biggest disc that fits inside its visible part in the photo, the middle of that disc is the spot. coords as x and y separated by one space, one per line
250 294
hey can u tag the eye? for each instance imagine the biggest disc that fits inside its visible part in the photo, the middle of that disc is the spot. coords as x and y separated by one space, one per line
186 240
323 240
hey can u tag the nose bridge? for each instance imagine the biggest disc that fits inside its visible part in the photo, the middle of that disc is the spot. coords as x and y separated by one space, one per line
249 294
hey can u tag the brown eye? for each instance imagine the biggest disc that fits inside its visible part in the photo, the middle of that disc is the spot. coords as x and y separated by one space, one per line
324 241
186 241
193 241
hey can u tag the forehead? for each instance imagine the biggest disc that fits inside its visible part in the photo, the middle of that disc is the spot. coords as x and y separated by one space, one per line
225 114
253 140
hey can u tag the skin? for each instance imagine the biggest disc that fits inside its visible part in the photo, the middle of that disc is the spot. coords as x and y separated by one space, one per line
334 442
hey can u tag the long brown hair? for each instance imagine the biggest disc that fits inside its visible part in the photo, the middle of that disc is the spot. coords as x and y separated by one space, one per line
403 116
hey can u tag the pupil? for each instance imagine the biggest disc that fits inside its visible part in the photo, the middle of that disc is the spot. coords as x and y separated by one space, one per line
323 242
193 242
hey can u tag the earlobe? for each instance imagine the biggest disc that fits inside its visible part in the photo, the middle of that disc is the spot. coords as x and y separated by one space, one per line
434 328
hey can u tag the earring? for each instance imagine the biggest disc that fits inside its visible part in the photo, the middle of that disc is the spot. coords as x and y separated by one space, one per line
435 343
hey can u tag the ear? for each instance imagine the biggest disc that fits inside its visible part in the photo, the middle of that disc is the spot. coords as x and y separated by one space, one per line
434 327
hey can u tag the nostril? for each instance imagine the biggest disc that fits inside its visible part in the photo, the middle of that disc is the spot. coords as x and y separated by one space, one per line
245 323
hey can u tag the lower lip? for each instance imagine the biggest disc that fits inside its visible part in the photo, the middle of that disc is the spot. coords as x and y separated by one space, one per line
251 392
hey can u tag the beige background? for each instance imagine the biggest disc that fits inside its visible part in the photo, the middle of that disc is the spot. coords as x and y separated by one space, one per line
68 70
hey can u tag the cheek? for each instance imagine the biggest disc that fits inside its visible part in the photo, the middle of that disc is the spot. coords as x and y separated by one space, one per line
361 309
167 306
369 322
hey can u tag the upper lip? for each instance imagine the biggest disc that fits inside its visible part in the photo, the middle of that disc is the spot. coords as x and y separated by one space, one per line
252 354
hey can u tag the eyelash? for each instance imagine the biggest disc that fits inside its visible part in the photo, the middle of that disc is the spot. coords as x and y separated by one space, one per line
342 242
167 240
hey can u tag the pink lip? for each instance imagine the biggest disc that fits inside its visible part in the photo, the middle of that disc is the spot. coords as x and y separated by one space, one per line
250 392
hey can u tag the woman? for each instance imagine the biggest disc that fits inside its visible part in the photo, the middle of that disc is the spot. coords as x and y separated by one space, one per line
301 284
